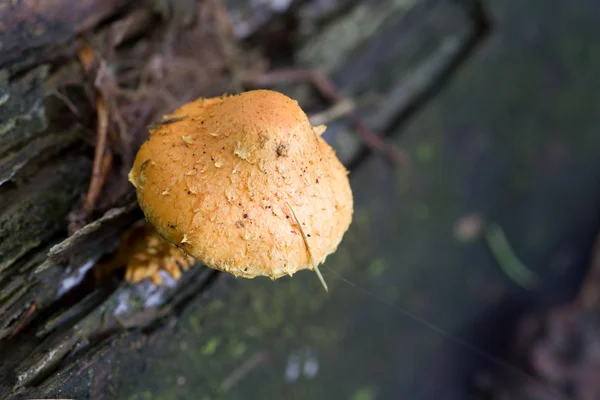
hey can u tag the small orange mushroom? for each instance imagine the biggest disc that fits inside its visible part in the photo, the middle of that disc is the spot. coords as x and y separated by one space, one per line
245 184
144 254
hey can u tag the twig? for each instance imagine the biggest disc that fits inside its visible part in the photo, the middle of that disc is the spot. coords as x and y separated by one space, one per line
243 370
166 121
86 57
26 318
337 111
106 84
65 100
507 259
589 294
106 166
97 179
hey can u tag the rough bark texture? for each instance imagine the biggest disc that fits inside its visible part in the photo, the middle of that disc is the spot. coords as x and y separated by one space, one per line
32 30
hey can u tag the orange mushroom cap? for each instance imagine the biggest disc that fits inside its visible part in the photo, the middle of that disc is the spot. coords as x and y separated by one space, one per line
226 179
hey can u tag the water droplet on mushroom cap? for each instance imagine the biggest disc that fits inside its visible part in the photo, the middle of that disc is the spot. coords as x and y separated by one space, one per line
213 226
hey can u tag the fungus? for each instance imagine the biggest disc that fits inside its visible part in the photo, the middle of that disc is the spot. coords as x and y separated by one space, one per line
265 151
144 254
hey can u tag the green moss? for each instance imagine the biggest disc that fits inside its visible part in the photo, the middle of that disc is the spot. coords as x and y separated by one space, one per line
366 393
237 349
211 346
377 267
425 152
195 324
147 395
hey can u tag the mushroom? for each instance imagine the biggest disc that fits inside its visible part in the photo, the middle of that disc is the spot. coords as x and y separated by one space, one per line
148 253
245 184
144 254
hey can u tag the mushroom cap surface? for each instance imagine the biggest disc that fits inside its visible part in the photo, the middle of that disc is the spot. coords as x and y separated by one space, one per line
225 178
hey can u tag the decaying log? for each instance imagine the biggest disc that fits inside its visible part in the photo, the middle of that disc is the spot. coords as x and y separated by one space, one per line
54 314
